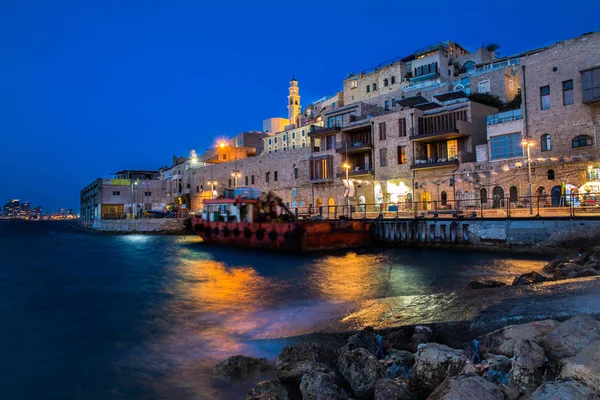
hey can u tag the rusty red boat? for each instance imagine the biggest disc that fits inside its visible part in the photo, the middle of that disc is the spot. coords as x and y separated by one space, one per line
245 218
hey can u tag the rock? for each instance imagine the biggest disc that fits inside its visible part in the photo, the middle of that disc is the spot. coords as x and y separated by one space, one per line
393 389
592 265
467 387
588 272
322 385
528 365
485 284
423 334
570 337
366 339
397 363
435 362
552 265
584 366
529 278
241 367
361 370
566 269
582 259
502 341
398 339
496 368
563 389
295 361
268 390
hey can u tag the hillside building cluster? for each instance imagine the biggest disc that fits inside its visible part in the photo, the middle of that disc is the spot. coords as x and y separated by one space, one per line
441 125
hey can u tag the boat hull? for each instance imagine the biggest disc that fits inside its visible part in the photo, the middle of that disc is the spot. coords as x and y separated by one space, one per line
296 236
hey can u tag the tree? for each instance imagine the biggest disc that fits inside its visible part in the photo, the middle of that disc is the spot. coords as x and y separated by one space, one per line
488 99
514 103
492 47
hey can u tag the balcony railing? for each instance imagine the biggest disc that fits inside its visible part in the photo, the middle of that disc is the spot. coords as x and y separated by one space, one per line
353 145
356 172
507 116
429 163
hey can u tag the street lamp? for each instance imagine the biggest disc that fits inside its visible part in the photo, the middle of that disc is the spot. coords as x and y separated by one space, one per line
528 142
212 184
346 166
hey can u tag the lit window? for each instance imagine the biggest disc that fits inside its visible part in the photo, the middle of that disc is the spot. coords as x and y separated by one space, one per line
354 83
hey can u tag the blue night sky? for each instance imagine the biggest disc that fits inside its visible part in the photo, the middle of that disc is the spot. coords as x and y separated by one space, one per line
92 87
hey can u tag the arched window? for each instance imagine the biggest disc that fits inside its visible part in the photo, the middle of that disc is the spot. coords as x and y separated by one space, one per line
393 80
483 196
582 141
368 88
514 194
444 198
467 66
546 145
498 197
374 87
550 174
331 204
409 201
385 82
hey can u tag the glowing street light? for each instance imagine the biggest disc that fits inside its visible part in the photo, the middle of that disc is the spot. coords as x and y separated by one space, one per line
346 165
212 184
528 142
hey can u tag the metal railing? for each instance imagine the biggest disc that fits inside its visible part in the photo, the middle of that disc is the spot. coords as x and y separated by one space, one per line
506 116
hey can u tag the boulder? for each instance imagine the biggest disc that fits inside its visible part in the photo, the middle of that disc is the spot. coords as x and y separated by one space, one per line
587 272
527 366
398 339
582 259
366 339
268 390
467 387
435 362
242 367
567 269
423 334
584 366
321 385
393 389
292 373
570 337
361 370
552 265
529 278
502 341
592 265
485 284
295 361
397 363
563 389
496 368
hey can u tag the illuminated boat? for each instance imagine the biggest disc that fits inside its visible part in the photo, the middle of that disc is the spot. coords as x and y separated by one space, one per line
245 218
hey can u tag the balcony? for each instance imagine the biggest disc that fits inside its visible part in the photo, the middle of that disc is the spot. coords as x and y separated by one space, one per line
356 173
425 77
352 146
324 131
450 129
442 162
507 116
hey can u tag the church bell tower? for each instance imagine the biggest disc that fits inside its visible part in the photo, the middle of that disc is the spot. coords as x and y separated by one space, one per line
293 102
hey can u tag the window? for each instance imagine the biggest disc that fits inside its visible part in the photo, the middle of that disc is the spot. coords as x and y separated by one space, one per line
353 83
484 86
267 176
513 194
444 198
568 98
293 135
590 84
303 133
385 82
545 97
382 131
284 138
275 176
546 145
402 126
293 146
330 142
246 180
295 173
294 193
197 189
303 144
582 141
368 88
483 196
270 141
382 157
387 105
252 179
506 146
550 174
224 156
321 168
276 139
393 80
374 87
116 193
147 194
401 154
511 85
229 182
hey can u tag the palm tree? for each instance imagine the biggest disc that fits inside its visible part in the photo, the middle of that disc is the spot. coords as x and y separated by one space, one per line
492 47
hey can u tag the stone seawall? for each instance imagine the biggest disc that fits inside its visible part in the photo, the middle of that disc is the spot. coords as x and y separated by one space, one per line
163 225
501 233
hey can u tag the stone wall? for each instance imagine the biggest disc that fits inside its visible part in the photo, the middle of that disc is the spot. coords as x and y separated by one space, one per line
163 225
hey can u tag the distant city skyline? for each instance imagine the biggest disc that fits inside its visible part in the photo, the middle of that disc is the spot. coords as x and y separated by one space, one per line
93 88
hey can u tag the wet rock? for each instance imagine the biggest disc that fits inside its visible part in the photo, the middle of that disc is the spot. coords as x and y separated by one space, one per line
551 266
563 389
423 334
241 367
587 272
294 361
567 269
584 366
268 390
485 284
366 339
496 368
465 388
503 341
322 385
435 362
292 373
398 339
361 370
570 337
527 366
397 363
393 389
592 265
582 259
529 279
